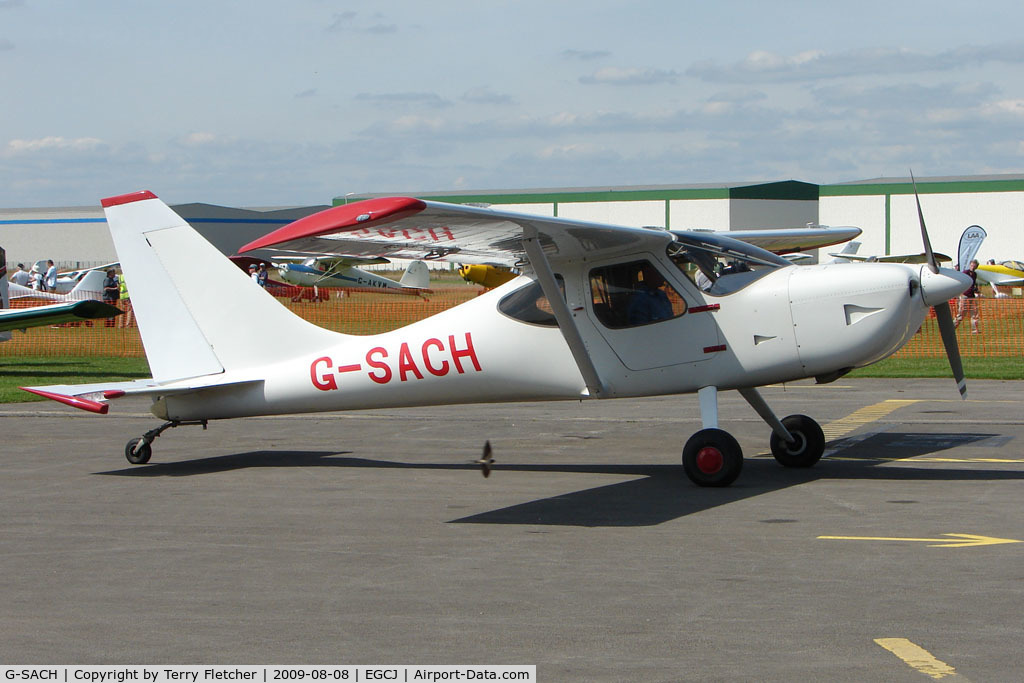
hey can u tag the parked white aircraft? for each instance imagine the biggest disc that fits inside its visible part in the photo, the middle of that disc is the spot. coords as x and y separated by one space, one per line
88 286
37 316
321 271
892 258
67 281
601 311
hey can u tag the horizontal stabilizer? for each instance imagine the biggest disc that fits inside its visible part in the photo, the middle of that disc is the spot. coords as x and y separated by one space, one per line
94 397
37 316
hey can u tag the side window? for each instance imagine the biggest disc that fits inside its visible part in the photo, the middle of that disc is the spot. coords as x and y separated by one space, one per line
529 305
631 294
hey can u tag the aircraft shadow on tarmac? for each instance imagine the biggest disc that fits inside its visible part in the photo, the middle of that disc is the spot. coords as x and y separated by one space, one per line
661 492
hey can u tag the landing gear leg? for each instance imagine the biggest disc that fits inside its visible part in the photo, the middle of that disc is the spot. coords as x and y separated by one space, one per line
138 451
796 441
711 457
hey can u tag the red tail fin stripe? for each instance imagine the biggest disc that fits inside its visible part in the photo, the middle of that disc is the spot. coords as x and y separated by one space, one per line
127 198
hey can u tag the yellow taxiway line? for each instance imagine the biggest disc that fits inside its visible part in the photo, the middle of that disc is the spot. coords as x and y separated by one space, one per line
954 540
917 657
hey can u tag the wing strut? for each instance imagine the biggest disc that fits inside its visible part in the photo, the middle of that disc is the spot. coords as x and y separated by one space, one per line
564 317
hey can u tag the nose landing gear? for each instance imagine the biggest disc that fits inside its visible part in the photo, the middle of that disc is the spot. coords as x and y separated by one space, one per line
712 457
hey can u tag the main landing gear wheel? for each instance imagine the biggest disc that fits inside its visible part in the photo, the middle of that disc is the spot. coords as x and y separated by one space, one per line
712 457
138 451
809 445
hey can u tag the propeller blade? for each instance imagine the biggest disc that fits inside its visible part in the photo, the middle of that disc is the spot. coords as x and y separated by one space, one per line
486 461
948 332
933 265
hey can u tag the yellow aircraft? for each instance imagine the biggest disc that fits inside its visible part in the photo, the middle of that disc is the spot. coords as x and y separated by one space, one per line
487 276
1006 274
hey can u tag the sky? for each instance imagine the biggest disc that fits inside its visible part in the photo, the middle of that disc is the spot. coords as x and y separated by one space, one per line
266 103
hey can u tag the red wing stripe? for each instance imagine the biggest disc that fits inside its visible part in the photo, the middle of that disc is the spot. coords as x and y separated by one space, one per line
363 214
713 349
73 401
127 198
701 309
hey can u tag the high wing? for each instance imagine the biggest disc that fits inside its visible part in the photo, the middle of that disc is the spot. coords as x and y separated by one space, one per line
407 228
790 240
19 318
403 227
895 258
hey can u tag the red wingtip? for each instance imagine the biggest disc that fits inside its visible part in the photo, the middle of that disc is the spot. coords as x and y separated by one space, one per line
127 198
73 401
338 218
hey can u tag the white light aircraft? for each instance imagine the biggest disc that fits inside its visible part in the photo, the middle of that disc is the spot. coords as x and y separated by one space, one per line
321 271
38 316
601 311
891 258
67 281
88 286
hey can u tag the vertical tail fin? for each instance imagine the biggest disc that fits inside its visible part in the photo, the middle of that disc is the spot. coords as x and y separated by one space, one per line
198 314
417 276
89 287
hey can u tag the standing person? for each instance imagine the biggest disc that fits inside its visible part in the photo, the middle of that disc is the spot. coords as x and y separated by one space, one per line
969 299
262 275
253 274
111 287
111 292
50 279
36 277
21 276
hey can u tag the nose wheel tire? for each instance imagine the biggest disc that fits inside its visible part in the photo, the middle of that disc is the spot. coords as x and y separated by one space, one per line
138 451
808 447
712 457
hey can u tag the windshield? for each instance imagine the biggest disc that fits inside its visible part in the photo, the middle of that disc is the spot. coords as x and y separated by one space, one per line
721 265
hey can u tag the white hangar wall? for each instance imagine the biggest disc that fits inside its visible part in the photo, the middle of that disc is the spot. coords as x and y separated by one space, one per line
733 206
636 213
887 212
71 236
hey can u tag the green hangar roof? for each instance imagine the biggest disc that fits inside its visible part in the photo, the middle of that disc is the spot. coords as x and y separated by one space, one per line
786 189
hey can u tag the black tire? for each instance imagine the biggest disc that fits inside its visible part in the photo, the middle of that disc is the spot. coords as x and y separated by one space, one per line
138 452
810 442
712 457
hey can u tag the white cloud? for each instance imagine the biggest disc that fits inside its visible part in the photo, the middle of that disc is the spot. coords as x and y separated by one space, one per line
585 55
763 66
352 22
199 139
613 75
419 99
484 95
52 143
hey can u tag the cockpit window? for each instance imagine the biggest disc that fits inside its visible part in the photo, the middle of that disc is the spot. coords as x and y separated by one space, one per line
529 305
631 294
721 265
